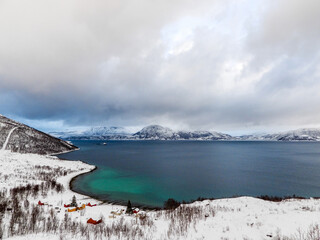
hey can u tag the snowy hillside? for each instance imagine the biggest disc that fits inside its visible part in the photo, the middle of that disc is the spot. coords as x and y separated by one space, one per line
152 132
156 132
105 131
203 135
311 134
305 134
95 133
20 138
65 134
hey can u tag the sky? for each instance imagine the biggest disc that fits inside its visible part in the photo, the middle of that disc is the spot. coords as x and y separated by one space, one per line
236 66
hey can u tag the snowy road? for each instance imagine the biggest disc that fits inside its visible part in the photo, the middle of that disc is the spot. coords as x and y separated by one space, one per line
8 138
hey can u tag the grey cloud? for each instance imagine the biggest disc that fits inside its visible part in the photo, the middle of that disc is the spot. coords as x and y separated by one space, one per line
114 63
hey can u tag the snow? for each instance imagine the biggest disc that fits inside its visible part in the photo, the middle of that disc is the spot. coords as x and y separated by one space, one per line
96 132
7 139
152 132
157 132
233 218
21 138
304 134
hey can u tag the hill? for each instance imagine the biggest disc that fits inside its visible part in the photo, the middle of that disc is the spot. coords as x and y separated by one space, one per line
157 132
21 138
152 132
304 134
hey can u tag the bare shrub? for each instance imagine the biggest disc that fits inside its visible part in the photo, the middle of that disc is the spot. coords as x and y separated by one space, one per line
182 217
313 233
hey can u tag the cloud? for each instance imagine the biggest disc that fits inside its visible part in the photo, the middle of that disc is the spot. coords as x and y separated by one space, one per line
187 64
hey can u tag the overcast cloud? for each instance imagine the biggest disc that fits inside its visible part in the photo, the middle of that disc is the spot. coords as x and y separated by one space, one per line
220 65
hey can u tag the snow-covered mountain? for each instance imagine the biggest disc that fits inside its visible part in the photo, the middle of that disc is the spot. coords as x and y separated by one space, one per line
203 135
95 133
156 132
21 138
65 134
105 131
152 132
304 134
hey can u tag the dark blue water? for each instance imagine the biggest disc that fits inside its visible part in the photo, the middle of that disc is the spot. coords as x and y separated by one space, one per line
150 172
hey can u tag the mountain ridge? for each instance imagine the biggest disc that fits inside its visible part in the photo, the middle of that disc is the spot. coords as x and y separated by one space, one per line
18 137
302 134
151 132
158 132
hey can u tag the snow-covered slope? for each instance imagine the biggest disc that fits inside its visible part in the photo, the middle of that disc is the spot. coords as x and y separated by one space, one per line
203 135
152 132
311 134
21 138
105 131
65 134
305 134
95 133
156 132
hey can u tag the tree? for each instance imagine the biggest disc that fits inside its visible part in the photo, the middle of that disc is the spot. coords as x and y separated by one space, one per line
74 202
34 217
129 208
171 204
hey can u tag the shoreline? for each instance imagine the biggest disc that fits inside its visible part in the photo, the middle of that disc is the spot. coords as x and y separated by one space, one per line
199 140
68 151
225 218
268 198
106 201
119 203
115 203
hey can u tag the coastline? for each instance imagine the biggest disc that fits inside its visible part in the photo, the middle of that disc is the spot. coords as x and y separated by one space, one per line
104 198
114 203
228 218
271 198
55 154
72 179
119 203
268 198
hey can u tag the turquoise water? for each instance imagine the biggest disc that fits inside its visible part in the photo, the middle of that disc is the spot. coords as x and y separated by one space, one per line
150 172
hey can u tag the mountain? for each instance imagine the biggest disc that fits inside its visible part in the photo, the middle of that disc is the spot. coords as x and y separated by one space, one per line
304 134
21 138
156 132
105 131
65 134
95 133
203 135
152 132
